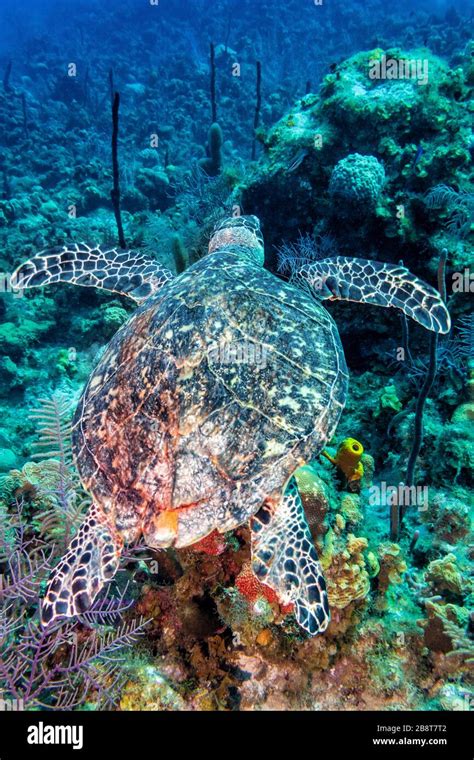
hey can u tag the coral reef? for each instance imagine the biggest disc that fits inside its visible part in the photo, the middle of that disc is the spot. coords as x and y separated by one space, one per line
346 163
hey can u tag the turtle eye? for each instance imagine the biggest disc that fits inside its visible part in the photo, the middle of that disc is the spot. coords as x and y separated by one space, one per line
355 448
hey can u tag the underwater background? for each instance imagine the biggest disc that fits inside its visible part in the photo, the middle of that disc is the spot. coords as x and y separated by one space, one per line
302 114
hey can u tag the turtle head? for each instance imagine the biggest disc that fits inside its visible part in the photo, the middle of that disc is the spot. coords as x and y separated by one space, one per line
241 234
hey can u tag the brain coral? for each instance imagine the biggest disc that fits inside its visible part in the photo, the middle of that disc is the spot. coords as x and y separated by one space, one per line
357 180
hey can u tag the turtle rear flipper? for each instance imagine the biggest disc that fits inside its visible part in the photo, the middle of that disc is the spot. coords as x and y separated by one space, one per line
126 272
364 281
91 560
284 558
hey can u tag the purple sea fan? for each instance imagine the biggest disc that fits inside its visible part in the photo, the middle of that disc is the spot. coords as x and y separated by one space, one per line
61 666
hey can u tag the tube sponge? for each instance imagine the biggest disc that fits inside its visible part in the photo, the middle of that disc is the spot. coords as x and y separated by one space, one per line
179 254
212 165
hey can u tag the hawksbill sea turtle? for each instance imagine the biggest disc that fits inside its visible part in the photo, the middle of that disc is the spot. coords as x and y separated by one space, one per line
173 439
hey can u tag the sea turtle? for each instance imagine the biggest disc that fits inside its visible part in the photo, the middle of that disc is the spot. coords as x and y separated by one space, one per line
221 384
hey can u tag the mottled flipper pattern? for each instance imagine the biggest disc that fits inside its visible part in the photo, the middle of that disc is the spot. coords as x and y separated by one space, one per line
284 558
388 285
126 272
91 560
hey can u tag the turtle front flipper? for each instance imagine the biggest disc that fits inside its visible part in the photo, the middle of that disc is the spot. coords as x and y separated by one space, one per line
91 560
126 272
284 558
388 285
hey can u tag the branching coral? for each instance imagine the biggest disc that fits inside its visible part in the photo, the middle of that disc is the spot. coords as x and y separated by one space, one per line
53 418
52 485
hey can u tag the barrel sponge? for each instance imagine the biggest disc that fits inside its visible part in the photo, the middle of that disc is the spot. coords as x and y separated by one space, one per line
358 180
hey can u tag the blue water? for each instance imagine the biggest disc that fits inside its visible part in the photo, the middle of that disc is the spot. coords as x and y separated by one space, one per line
296 41
61 65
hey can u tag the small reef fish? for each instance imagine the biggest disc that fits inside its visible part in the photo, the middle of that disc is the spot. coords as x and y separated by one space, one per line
418 155
298 160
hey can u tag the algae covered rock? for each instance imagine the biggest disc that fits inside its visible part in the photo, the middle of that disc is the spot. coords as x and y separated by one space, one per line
8 460
334 151
148 689
392 569
450 516
445 630
444 574
344 564
153 184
